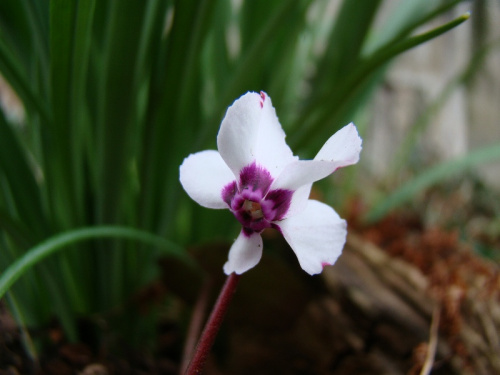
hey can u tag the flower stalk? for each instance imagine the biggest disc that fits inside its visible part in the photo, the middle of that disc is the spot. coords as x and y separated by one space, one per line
213 325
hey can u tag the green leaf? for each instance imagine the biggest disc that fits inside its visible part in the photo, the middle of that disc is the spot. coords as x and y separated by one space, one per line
78 117
250 62
407 17
345 43
328 116
63 241
19 176
18 313
11 68
174 113
24 29
58 146
405 148
20 235
117 101
432 176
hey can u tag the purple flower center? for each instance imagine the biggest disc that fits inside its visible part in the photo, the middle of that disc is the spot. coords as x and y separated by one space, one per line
253 203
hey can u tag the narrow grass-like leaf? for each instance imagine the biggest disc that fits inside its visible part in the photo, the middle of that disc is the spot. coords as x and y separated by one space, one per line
58 146
147 55
18 233
60 297
23 29
330 117
187 84
64 240
15 30
78 117
406 18
117 106
216 63
345 43
116 137
281 56
59 143
406 147
11 69
19 176
39 33
172 121
17 312
249 65
136 263
250 60
430 177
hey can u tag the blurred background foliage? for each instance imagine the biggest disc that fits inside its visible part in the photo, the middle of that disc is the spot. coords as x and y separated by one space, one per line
114 94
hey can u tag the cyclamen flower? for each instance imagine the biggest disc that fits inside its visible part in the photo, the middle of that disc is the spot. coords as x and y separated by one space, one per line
256 176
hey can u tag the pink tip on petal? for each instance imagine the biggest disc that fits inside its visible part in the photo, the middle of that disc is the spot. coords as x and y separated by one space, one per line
263 97
324 264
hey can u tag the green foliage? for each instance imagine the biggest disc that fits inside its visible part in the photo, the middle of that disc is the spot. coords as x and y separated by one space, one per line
60 241
432 176
116 93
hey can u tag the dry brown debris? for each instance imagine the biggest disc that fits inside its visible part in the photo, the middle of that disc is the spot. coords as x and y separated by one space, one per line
465 286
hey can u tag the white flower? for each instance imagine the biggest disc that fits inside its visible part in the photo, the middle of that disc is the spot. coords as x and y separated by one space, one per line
256 176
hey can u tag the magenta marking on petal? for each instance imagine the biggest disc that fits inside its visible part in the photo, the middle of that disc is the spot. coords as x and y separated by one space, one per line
237 202
228 193
324 264
254 178
255 196
251 202
263 99
247 232
276 204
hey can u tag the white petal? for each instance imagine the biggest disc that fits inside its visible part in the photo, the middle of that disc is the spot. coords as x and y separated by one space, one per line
300 198
340 150
302 172
272 150
244 254
250 132
317 236
203 176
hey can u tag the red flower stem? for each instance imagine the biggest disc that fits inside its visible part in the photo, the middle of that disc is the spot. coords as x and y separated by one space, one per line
212 326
